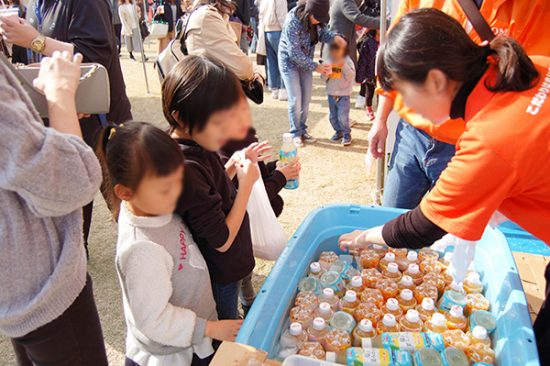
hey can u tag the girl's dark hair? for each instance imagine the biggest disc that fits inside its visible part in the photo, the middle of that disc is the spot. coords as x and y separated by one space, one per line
428 39
303 14
196 88
129 152
226 7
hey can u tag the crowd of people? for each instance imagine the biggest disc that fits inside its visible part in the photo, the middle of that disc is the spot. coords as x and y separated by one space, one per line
184 255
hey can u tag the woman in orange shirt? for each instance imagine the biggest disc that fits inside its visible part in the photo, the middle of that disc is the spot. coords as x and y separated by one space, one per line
502 159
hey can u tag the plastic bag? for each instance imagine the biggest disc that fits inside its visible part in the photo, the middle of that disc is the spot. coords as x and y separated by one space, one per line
463 254
268 237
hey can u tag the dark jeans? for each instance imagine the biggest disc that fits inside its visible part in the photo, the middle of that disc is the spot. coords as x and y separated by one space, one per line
75 338
227 299
542 324
196 361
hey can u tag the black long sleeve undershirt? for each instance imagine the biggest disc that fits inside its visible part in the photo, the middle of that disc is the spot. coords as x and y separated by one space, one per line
411 230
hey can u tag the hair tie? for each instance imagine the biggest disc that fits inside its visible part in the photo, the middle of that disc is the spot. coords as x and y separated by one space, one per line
111 133
487 50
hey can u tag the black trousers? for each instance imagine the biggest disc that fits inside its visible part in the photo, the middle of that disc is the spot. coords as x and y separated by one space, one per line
367 91
75 338
196 361
542 324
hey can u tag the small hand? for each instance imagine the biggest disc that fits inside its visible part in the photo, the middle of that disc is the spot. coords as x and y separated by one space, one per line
256 152
17 31
223 330
377 138
324 69
290 171
247 173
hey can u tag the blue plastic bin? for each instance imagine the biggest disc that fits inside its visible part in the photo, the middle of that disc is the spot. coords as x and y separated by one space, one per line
513 339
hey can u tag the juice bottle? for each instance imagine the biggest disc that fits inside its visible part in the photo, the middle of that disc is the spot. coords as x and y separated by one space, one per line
388 258
370 277
300 315
427 357
399 252
388 288
406 282
392 307
349 302
484 319
332 280
437 323
407 300
326 259
480 353
291 340
404 262
373 296
369 259
343 321
475 302
426 308
413 271
324 311
454 357
367 311
370 357
388 324
411 322
339 266
456 319
451 298
317 331
458 287
380 249
392 272
473 285
429 265
312 350
447 277
337 341
426 290
427 253
315 270
306 300
457 339
356 284
363 330
330 298
406 341
288 155
479 335
436 279
309 284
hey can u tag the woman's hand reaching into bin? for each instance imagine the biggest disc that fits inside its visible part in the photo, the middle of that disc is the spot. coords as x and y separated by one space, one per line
358 240
223 330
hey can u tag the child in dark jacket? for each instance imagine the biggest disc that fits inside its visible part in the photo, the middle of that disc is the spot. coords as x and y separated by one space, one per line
368 47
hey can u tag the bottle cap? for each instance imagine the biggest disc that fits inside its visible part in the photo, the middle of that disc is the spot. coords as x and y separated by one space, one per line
393 267
412 256
390 257
287 137
428 304
328 292
475 280
406 294
406 281
365 325
295 329
315 267
479 333
413 269
319 324
357 281
389 320
392 304
412 316
456 311
324 308
456 286
439 319
350 296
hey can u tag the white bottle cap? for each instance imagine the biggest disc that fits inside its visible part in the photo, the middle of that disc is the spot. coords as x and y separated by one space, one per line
413 269
351 296
393 267
406 281
315 267
389 320
472 275
365 325
318 323
357 281
390 257
287 137
474 280
439 319
324 308
295 329
392 304
428 304
457 286
412 256
406 294
328 292
479 333
412 316
456 311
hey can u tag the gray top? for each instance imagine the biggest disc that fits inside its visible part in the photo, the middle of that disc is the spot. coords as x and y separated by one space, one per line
343 86
45 179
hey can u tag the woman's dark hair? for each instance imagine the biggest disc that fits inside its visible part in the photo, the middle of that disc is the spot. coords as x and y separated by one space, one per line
429 39
196 88
122 2
129 152
303 14
226 7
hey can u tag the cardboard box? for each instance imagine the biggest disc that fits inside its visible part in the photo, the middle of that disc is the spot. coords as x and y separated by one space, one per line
235 354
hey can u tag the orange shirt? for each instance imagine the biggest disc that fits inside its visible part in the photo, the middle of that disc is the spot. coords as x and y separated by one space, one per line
502 163
524 20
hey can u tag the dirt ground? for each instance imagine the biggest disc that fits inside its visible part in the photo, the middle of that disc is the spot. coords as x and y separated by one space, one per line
330 174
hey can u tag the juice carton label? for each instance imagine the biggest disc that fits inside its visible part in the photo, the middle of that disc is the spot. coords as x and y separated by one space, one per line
287 157
377 357
410 342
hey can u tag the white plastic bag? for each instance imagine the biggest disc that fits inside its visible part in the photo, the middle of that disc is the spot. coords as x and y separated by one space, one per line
268 237
463 255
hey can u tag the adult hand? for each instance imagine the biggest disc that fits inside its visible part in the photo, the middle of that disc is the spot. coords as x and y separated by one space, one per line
59 76
290 171
324 69
377 138
17 31
256 152
359 239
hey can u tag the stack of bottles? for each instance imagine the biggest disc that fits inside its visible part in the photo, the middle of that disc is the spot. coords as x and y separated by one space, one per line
389 307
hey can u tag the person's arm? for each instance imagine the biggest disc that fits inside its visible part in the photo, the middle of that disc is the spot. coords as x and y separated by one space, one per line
379 130
274 180
281 10
295 52
353 14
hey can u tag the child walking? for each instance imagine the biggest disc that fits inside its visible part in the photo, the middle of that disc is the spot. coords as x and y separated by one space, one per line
168 304
368 47
339 88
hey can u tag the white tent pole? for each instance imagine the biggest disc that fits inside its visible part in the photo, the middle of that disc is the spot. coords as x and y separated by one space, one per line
142 48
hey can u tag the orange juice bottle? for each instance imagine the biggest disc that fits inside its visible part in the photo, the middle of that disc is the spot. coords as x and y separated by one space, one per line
388 324
413 271
392 307
326 259
306 300
301 315
364 329
337 340
380 249
426 308
436 279
456 338
431 266
404 262
399 252
388 288
472 284
407 300
437 323
480 353
475 302
312 350
315 270
356 284
392 272
388 258
427 253
411 322
370 277
426 290
479 335
329 297
317 331
412 257
367 311
456 319
324 311
349 302
369 258
372 296
447 277
406 282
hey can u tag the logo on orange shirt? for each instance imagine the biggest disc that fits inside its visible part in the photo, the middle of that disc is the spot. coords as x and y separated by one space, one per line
542 94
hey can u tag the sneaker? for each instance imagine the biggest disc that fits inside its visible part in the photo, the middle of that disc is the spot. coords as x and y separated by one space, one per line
337 136
275 93
370 114
360 102
298 141
306 137
346 141
283 94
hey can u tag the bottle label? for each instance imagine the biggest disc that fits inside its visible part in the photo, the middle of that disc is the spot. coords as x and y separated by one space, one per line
377 357
410 342
287 157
